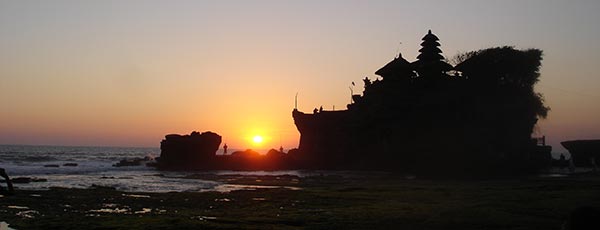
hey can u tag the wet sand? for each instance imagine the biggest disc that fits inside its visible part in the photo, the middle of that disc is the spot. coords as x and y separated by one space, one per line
315 202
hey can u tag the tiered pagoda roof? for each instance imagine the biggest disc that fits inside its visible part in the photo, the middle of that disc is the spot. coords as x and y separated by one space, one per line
430 61
430 58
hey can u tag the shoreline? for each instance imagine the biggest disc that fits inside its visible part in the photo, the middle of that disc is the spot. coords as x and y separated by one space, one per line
158 181
322 202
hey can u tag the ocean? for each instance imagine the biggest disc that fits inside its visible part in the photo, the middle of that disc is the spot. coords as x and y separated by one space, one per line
94 167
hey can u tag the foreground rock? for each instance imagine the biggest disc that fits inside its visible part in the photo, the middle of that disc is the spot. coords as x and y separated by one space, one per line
324 202
26 180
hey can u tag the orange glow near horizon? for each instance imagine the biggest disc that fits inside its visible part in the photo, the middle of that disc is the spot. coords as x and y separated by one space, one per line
128 74
257 140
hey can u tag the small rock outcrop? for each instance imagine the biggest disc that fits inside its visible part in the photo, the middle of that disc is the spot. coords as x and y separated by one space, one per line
248 153
181 152
136 161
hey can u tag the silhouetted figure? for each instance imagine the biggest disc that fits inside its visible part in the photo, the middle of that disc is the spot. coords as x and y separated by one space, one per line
562 161
315 111
321 109
571 165
281 149
225 149
9 184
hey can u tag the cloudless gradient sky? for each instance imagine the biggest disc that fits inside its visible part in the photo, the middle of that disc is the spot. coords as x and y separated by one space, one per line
126 73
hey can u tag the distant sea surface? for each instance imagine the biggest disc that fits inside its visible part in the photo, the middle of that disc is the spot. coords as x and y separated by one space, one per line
95 167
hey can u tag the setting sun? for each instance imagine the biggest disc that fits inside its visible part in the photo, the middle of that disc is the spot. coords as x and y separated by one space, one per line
257 139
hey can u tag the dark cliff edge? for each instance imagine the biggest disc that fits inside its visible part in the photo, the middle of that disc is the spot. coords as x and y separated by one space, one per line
585 153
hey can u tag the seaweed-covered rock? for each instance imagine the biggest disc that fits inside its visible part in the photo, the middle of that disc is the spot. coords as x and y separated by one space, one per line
26 180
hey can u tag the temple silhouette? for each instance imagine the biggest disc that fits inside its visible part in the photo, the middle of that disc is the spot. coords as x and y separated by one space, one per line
425 117
429 117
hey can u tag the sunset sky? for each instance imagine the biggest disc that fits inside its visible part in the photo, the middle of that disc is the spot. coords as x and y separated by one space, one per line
125 73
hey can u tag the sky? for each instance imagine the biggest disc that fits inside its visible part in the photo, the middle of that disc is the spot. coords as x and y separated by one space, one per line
126 73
